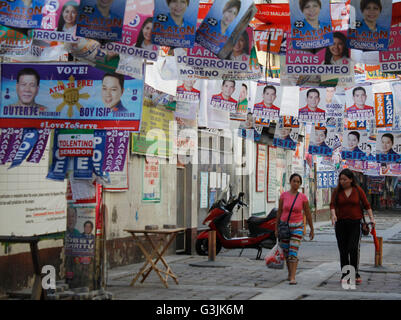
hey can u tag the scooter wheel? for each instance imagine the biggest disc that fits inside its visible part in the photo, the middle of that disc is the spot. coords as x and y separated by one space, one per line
202 246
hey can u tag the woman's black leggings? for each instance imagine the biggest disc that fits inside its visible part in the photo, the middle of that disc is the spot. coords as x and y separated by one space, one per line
348 233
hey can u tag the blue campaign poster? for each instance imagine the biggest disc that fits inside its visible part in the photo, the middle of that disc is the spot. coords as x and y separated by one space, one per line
22 13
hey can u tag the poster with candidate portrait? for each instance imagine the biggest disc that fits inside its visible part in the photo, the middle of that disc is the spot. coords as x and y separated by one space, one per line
137 32
174 23
310 24
101 19
224 95
390 60
354 144
22 13
335 105
188 91
59 21
359 103
267 101
371 28
388 146
286 134
312 105
322 140
68 96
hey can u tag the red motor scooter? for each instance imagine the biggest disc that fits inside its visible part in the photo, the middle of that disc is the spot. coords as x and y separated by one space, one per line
261 230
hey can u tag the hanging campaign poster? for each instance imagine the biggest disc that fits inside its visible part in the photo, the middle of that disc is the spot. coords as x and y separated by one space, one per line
327 179
354 144
224 95
371 28
137 32
371 151
322 140
335 106
388 146
359 103
390 169
241 112
384 110
13 42
22 13
224 24
59 21
333 60
286 133
310 24
188 91
356 165
390 60
151 180
174 23
238 60
267 101
312 105
269 39
68 96
340 15
372 168
99 19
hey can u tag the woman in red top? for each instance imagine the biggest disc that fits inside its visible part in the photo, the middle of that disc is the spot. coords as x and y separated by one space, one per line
296 223
346 215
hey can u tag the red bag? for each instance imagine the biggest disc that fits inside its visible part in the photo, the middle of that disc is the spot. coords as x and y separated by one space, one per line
275 258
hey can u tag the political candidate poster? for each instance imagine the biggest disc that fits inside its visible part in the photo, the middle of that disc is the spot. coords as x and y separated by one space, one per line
22 13
312 105
390 169
390 60
59 21
310 24
322 140
371 151
371 30
286 134
241 111
354 144
174 23
388 146
137 32
267 101
224 95
188 91
359 103
335 105
224 24
101 19
13 42
384 110
68 96
327 179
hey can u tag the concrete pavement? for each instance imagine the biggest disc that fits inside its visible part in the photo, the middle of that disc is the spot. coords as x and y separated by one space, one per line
244 278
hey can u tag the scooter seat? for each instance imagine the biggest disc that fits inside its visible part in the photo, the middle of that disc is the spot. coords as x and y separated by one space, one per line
257 220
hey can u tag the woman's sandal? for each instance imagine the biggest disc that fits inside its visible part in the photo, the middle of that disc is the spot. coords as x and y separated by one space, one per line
293 282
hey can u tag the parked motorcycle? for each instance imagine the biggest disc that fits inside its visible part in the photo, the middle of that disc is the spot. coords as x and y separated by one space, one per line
261 229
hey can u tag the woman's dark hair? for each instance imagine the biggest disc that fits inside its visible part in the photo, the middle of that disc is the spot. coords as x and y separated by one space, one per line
295 175
349 174
356 134
390 136
61 21
246 40
141 37
345 53
232 4
364 4
303 3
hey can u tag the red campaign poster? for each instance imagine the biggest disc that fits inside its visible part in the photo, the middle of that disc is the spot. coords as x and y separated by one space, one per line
277 14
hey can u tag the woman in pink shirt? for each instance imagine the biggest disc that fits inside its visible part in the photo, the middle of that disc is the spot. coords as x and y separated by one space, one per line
296 223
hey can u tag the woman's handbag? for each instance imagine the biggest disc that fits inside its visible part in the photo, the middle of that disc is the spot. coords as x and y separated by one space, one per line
284 227
364 225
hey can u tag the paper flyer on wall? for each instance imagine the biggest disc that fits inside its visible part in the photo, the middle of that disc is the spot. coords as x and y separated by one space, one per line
224 24
354 144
286 133
388 146
390 60
136 33
371 30
359 103
99 19
22 13
174 23
312 105
310 24
80 97
267 101
322 140
384 110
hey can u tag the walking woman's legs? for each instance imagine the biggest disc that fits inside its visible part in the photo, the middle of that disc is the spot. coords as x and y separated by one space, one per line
354 244
295 242
342 235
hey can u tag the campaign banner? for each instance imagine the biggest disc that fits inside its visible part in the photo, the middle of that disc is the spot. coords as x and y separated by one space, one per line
356 165
269 40
354 144
13 42
83 168
390 60
286 136
327 179
223 25
30 137
388 146
333 60
40 146
312 105
59 21
359 103
384 110
137 32
372 168
58 165
174 23
75 143
99 151
22 13
310 24
101 20
115 150
69 96
267 101
238 60
9 137
390 169
322 140
371 28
